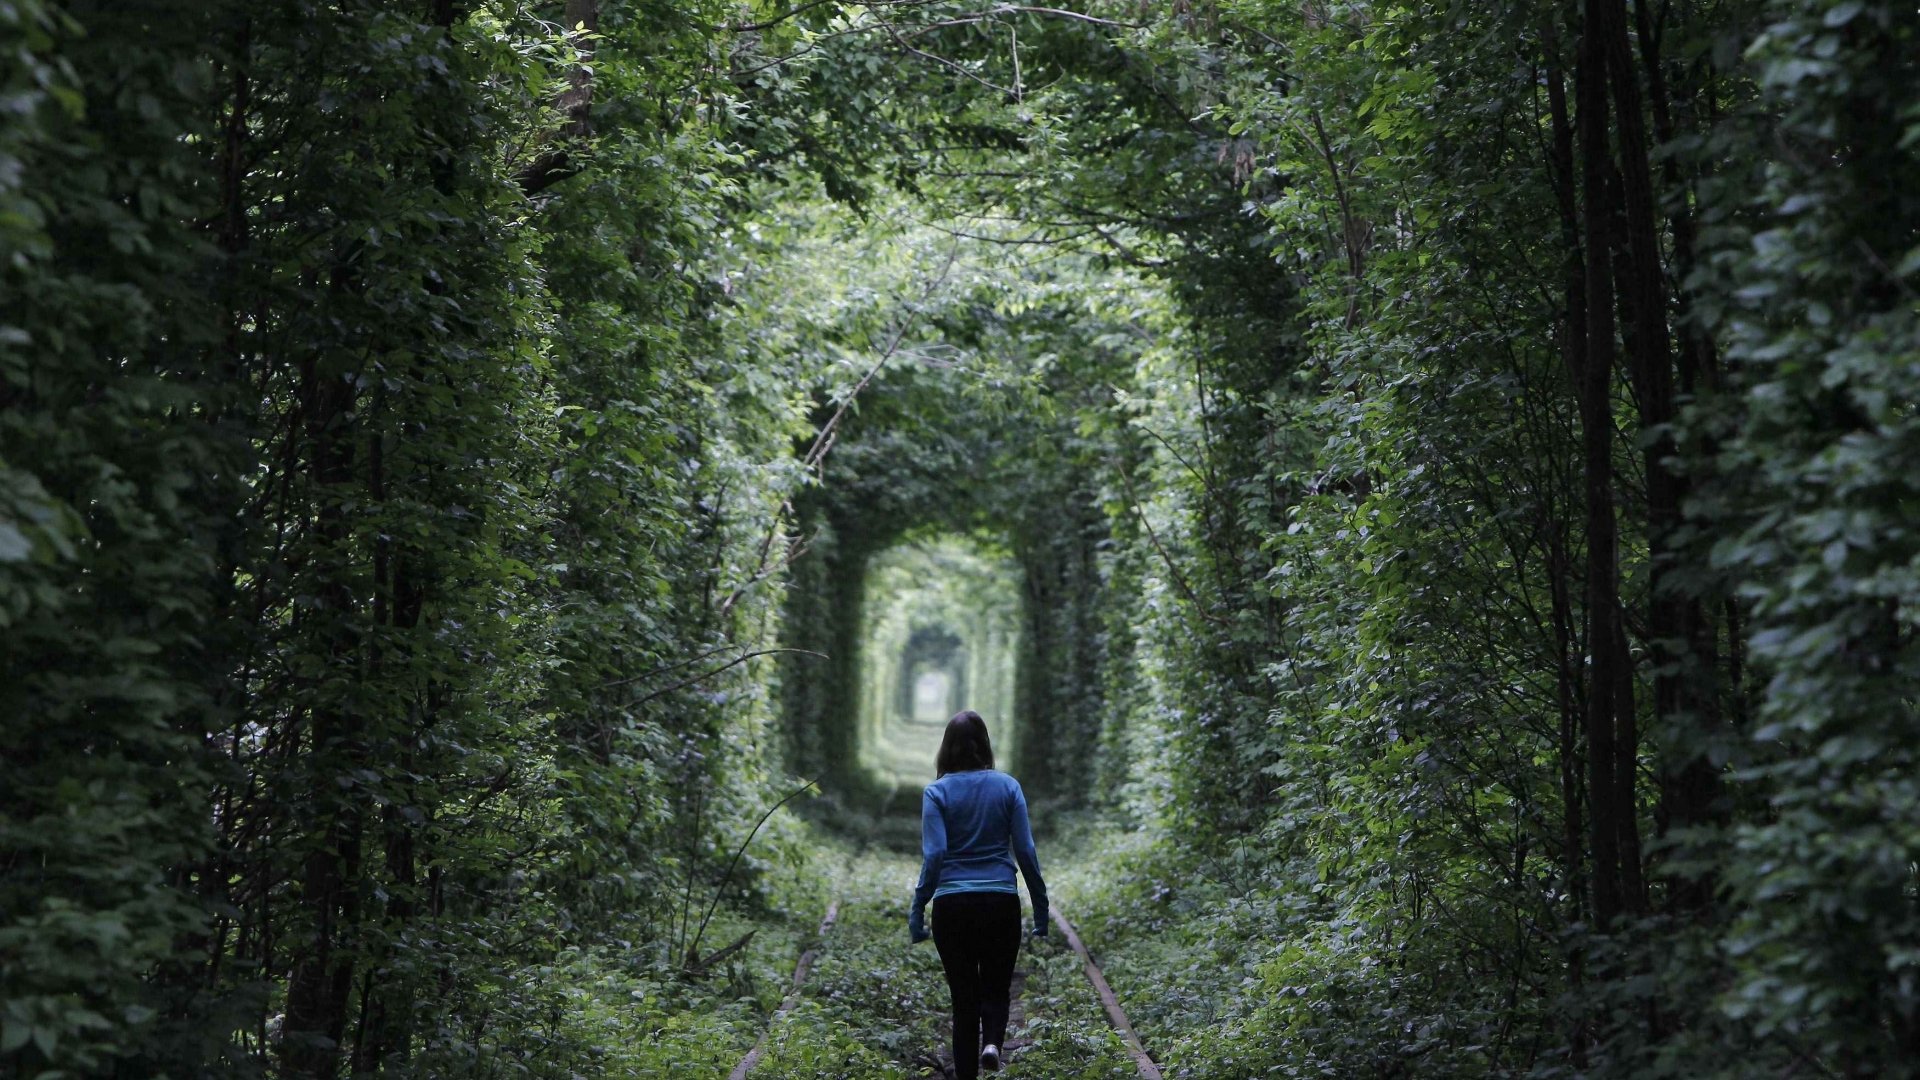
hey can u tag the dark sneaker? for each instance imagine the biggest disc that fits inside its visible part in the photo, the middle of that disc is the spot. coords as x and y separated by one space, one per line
990 1058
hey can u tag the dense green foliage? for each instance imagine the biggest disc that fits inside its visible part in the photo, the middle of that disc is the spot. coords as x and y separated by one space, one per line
365 500
1430 488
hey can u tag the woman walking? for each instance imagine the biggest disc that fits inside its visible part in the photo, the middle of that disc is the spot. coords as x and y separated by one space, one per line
973 828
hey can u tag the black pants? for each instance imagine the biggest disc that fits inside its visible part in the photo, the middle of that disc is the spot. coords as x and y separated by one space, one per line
978 935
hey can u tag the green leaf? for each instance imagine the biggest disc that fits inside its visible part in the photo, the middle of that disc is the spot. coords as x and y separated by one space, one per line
1843 13
14 545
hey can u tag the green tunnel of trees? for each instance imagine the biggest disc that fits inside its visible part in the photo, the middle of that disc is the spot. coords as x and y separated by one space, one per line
932 519
1427 491
942 622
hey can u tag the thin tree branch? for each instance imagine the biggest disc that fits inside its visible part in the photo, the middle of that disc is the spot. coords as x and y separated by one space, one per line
959 69
748 28
693 950
675 666
1177 456
823 442
1173 569
684 683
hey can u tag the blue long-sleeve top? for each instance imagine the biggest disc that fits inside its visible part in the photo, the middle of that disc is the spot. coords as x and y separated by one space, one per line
973 829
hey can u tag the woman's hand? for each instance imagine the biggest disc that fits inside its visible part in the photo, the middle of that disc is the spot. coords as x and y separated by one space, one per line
916 928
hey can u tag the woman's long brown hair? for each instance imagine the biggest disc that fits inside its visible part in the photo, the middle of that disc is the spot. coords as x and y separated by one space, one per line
965 745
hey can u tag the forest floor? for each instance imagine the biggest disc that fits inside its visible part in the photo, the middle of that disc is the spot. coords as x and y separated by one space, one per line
1185 943
874 1006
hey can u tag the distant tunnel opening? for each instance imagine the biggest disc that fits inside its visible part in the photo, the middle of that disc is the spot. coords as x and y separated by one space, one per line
940 632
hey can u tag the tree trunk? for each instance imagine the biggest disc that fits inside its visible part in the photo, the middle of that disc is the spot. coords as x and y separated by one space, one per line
1610 815
319 985
1686 703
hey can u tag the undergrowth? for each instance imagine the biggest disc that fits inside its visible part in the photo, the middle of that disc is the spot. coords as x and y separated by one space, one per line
874 1007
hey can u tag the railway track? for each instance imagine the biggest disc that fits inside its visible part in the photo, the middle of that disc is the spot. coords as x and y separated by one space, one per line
801 969
1116 1015
1149 1069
